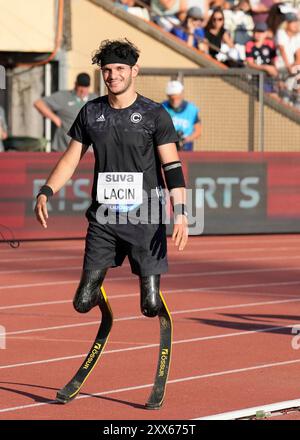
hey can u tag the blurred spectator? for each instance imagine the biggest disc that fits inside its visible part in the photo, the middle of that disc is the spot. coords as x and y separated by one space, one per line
216 34
288 42
191 31
276 17
288 61
239 22
164 12
260 10
222 4
202 4
185 115
62 108
134 8
261 54
3 128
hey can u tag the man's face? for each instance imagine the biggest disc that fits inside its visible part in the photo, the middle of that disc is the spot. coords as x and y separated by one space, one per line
195 22
81 91
175 100
293 26
118 77
259 36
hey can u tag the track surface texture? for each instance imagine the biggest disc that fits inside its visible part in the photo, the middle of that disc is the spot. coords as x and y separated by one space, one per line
235 304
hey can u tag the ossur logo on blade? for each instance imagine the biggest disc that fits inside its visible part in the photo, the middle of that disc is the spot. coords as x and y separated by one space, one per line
163 360
91 357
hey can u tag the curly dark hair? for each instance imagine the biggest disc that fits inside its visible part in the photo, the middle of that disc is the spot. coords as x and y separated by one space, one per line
123 48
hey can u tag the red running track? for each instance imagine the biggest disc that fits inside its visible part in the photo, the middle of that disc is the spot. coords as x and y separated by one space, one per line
234 302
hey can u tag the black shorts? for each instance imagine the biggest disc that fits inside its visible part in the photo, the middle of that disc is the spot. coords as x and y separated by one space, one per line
145 245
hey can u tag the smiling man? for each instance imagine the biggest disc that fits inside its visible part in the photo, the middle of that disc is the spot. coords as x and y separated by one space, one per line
133 138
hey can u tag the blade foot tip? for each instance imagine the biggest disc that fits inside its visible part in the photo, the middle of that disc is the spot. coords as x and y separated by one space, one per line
153 405
60 398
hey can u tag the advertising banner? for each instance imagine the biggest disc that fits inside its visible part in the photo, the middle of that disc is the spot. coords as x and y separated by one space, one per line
240 193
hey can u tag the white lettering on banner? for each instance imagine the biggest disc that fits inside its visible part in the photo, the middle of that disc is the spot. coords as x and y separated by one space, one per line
212 186
120 188
253 194
78 187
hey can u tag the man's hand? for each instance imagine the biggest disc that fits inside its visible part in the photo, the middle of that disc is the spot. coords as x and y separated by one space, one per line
41 211
191 26
57 121
271 70
180 231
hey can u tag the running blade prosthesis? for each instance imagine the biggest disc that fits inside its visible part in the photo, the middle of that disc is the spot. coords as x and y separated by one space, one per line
157 395
70 391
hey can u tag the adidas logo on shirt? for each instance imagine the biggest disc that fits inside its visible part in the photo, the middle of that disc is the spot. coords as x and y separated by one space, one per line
100 119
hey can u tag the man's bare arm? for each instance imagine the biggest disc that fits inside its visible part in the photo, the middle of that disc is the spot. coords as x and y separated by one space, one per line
168 153
196 133
283 53
60 175
46 111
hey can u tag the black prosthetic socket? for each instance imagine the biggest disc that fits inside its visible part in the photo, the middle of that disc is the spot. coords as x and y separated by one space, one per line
150 299
88 293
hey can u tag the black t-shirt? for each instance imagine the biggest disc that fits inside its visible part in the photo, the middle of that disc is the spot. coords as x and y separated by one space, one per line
262 55
125 140
216 40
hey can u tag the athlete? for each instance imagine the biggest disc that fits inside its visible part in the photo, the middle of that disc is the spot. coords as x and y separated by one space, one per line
133 138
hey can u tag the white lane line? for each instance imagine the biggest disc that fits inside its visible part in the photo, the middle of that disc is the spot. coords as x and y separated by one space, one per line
48 283
173 263
37 304
129 318
142 347
39 248
216 289
16 260
193 240
44 269
251 412
218 250
173 381
130 295
167 275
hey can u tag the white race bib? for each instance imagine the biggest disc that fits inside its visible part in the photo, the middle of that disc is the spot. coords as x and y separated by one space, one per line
120 188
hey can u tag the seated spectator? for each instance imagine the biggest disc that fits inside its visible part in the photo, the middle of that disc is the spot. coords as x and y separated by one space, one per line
276 17
222 4
202 4
185 115
261 54
164 12
288 60
3 128
239 22
216 34
288 43
191 30
134 9
260 10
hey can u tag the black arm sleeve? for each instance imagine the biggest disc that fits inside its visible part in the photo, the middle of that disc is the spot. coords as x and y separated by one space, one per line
79 130
174 175
165 132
